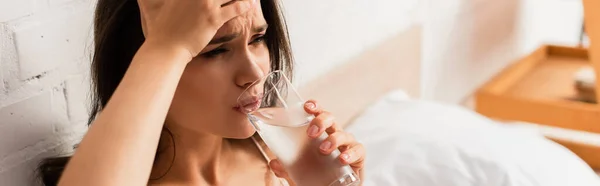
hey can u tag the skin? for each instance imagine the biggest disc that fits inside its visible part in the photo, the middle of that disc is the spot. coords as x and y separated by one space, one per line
193 83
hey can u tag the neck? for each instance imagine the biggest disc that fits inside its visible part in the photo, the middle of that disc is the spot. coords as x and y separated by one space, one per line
193 156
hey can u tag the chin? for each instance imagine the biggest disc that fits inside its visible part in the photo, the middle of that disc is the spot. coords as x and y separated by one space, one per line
249 134
241 132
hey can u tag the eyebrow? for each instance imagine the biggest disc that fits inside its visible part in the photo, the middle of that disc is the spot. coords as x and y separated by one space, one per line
223 39
260 28
227 38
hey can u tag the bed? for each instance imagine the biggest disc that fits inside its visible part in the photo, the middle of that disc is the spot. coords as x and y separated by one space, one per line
420 143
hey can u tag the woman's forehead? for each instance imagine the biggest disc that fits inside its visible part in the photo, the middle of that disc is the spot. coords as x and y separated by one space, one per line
243 23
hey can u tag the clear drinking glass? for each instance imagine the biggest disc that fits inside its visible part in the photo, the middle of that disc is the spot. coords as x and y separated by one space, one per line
276 111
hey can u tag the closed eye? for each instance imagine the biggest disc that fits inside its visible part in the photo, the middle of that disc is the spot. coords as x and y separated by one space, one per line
214 53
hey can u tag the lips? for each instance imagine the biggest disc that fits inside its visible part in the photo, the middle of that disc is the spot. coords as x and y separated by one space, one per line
249 104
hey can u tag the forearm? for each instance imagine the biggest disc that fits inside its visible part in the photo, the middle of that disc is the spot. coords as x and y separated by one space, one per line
120 145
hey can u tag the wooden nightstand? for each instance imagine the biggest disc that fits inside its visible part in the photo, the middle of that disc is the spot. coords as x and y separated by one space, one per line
540 88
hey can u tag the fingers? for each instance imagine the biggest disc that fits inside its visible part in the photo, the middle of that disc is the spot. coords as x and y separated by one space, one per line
324 122
235 8
354 156
352 152
335 141
278 169
311 107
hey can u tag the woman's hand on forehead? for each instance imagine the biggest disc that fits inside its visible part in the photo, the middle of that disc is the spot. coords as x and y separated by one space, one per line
187 26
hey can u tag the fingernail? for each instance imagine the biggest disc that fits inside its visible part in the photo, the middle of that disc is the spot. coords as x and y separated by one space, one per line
313 130
310 105
345 157
325 146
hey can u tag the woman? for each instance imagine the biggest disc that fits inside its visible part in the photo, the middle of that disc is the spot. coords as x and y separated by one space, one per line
173 71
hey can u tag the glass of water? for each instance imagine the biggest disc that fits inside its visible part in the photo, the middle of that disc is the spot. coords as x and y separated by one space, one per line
276 111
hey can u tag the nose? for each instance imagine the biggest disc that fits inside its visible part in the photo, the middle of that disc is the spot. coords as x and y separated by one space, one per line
249 70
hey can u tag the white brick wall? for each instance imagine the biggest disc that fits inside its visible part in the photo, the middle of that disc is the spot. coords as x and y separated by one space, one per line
44 82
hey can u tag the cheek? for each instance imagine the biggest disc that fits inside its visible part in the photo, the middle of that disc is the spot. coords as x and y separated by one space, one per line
262 56
200 89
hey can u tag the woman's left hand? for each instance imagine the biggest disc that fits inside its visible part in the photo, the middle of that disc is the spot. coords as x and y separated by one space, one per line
352 152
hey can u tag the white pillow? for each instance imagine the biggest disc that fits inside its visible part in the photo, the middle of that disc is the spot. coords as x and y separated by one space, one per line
419 143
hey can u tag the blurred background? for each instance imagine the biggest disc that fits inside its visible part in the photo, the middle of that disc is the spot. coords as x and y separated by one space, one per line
468 42
458 47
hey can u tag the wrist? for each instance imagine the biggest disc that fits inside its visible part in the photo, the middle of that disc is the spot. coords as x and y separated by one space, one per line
177 53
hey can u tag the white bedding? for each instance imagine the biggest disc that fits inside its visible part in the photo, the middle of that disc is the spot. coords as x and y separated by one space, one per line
418 143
